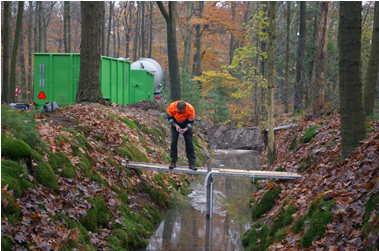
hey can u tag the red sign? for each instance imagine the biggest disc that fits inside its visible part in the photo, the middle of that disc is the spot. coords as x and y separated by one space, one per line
41 95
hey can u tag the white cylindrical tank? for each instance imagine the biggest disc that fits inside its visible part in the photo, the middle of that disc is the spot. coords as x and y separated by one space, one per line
152 66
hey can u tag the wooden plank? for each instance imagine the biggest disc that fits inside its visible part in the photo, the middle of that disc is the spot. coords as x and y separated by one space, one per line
221 172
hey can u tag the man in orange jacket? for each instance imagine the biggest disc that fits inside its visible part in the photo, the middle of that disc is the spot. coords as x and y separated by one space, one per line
182 116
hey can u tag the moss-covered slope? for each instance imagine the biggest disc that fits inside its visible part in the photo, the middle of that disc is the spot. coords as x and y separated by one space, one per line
65 184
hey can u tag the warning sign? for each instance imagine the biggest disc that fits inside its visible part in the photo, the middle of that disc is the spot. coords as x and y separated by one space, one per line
41 95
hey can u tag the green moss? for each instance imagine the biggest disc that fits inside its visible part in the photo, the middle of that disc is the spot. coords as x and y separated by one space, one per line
62 165
309 134
14 148
266 203
95 176
132 153
293 143
98 215
159 197
45 176
16 177
129 123
66 221
6 244
318 216
267 234
10 208
22 125
370 220
283 218
84 166
279 169
36 156
368 127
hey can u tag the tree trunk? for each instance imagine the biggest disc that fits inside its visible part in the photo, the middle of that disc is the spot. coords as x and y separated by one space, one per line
232 39
258 89
89 89
196 70
5 95
69 27
66 27
65 40
143 30
373 65
310 76
111 4
40 26
103 28
287 81
300 60
118 36
151 31
16 42
22 74
30 51
318 99
270 82
350 82
135 42
263 43
187 37
173 62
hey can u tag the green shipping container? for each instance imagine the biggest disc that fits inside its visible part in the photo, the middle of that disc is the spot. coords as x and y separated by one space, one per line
56 78
115 80
141 86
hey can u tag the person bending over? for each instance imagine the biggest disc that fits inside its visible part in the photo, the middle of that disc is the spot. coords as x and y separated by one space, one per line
181 116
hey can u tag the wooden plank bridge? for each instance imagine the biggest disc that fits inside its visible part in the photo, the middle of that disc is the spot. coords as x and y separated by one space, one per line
210 172
215 171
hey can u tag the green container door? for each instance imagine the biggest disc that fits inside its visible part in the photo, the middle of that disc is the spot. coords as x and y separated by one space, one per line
141 86
114 79
56 77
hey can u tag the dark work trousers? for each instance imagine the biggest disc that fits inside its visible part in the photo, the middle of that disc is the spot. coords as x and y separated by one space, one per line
190 150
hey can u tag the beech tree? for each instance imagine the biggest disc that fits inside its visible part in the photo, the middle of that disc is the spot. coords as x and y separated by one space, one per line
373 65
318 98
173 62
351 107
16 41
271 154
89 89
300 59
5 94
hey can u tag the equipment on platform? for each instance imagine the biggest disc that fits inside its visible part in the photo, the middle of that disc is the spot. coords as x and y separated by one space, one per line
56 77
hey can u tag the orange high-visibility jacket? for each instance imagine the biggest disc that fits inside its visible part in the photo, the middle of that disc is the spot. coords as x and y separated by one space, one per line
185 119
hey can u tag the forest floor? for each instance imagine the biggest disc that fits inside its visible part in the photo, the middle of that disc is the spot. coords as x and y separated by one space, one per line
334 206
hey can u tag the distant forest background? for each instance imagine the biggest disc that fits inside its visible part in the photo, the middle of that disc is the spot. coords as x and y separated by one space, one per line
221 50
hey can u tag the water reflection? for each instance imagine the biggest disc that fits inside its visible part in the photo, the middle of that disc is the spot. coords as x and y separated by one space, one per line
189 229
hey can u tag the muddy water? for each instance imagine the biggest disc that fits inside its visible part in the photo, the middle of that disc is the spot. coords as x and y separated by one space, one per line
188 228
